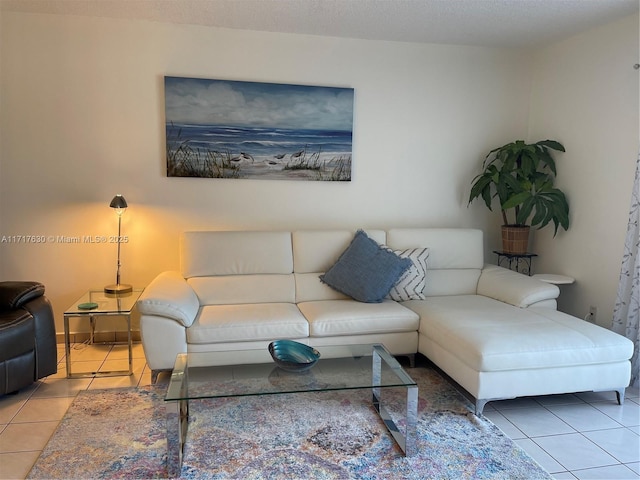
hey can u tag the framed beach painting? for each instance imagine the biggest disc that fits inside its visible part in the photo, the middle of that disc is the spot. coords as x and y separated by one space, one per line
252 130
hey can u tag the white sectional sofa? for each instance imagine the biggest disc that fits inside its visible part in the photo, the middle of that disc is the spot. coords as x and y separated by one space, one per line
497 333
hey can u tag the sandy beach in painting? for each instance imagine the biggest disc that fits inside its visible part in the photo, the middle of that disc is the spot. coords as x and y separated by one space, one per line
214 151
274 169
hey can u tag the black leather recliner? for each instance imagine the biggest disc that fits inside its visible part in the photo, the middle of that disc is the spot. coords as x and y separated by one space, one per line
27 336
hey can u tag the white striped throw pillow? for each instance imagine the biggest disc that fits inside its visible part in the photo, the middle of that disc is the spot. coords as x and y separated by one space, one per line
411 285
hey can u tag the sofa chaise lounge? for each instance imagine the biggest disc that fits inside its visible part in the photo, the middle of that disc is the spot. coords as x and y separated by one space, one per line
497 333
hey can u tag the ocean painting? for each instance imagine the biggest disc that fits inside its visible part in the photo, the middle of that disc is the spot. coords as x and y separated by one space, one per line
252 130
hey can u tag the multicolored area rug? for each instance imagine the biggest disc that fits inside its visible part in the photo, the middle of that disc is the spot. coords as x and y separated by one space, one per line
332 435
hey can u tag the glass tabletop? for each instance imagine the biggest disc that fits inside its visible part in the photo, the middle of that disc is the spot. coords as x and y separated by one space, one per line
246 373
107 303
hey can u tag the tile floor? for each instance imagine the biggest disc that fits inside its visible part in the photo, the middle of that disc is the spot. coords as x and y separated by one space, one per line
581 436
29 418
576 436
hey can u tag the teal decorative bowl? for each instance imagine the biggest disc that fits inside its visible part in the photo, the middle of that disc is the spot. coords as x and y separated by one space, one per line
293 356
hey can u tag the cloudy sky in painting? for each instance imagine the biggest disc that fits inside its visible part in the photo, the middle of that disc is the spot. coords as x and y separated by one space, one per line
221 102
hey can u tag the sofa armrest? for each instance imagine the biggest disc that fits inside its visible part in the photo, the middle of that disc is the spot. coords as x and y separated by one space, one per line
169 295
514 288
16 294
45 331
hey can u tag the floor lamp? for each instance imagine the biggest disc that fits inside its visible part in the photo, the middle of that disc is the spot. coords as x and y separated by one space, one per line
120 205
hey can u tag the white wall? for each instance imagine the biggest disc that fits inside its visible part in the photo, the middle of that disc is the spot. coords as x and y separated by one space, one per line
585 95
83 119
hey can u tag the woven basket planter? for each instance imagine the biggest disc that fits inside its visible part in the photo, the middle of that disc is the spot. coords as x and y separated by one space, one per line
515 239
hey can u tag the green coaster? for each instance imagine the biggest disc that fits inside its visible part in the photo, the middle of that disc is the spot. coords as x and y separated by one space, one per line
88 306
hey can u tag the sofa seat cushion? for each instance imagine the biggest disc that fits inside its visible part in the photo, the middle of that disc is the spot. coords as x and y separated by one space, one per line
489 335
249 322
349 317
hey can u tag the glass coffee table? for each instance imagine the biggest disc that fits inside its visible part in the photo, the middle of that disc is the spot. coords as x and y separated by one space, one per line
253 373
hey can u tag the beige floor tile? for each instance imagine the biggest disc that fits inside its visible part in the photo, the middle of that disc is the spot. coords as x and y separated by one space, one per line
122 364
61 371
122 351
83 353
43 410
10 405
26 437
138 351
115 382
61 387
117 364
17 465
145 378
84 367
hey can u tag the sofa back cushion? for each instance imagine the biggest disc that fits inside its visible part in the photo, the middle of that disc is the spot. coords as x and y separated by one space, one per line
456 257
241 289
314 252
258 267
204 254
238 267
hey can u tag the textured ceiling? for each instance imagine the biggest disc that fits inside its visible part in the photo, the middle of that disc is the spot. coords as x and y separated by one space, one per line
494 23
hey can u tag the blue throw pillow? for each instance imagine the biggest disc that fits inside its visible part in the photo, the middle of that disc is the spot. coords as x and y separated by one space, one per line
366 271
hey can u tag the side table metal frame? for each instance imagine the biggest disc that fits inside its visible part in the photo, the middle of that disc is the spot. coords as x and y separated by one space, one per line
90 316
515 259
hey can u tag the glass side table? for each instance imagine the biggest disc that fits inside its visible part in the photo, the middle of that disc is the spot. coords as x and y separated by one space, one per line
97 303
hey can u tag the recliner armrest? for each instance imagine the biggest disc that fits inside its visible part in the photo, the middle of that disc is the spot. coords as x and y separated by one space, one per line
16 294
169 295
514 288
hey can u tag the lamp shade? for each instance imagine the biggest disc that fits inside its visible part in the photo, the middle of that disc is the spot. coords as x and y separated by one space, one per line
118 202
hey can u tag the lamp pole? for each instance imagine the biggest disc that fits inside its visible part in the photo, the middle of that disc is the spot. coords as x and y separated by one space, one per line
120 204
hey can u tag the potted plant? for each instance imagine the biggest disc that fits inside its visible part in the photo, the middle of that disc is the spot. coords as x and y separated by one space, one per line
521 176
